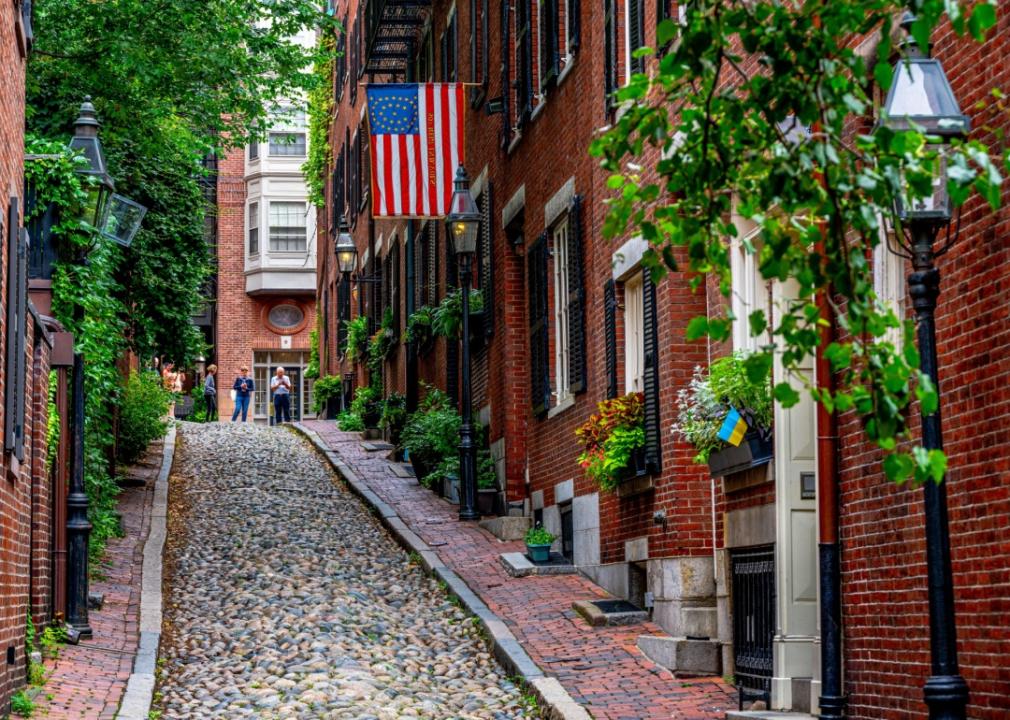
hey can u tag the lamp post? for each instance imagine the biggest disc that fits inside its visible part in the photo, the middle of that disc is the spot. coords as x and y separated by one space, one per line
463 221
921 97
104 214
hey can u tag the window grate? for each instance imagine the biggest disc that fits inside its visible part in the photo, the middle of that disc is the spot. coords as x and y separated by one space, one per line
753 580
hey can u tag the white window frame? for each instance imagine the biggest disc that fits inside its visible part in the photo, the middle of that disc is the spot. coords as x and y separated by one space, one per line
303 226
253 224
288 121
889 285
562 356
749 292
634 332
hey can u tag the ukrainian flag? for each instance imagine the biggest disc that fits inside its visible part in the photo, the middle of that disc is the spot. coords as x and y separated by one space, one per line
733 428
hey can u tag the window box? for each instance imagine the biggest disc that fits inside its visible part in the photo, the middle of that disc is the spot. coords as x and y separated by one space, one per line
756 449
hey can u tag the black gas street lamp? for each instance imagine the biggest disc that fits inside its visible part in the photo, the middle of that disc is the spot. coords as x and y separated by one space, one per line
345 250
117 218
921 98
463 222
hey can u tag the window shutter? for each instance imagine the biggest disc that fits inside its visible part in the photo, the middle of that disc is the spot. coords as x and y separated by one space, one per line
650 382
487 259
549 60
576 300
506 77
540 383
432 241
574 25
610 52
366 175
610 335
452 346
636 33
394 285
354 64
524 70
15 362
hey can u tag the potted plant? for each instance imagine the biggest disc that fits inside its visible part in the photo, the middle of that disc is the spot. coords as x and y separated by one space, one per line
393 417
418 329
613 440
431 436
538 544
367 405
703 406
487 483
447 317
326 395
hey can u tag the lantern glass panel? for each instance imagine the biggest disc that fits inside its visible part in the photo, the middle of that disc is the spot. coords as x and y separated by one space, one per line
921 94
935 206
91 149
464 235
122 219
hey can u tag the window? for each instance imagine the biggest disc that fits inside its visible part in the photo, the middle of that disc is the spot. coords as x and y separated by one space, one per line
364 176
506 76
340 186
634 327
550 60
426 58
340 76
749 292
449 47
478 49
17 316
355 185
634 37
287 134
254 150
562 388
254 228
285 316
287 227
536 284
889 284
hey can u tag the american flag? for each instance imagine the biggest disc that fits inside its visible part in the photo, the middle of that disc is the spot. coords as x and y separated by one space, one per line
417 143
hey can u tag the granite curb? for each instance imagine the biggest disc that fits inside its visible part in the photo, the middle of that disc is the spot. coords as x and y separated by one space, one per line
554 699
136 703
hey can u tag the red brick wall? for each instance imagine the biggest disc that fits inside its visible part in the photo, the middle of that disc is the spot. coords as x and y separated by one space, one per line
240 327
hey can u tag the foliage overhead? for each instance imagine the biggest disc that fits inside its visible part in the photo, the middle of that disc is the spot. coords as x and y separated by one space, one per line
701 139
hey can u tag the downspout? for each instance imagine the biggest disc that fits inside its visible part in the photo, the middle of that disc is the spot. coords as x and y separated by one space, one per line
411 384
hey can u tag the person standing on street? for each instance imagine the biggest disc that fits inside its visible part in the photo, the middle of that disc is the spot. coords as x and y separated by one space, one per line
281 387
243 388
210 393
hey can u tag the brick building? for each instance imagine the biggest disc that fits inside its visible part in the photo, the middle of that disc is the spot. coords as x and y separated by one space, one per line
572 319
266 263
26 489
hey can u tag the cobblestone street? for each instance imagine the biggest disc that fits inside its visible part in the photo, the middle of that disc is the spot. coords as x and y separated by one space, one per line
285 598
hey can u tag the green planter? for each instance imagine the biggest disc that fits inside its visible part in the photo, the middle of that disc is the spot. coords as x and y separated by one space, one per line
539 553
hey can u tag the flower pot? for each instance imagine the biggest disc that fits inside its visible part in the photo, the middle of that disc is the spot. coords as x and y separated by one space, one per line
486 501
757 448
538 553
332 407
450 489
637 466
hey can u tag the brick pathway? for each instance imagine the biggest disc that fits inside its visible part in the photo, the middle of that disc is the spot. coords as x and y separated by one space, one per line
601 668
87 681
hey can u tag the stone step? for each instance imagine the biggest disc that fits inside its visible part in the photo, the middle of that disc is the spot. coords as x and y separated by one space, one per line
766 715
598 612
681 655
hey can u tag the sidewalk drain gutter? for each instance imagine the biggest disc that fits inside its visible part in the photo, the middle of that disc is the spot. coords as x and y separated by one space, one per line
136 703
554 699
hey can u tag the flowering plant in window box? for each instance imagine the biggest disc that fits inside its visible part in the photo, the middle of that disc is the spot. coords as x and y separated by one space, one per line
730 383
612 439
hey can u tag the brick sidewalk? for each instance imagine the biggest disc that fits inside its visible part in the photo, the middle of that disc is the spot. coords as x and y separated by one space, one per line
601 668
87 681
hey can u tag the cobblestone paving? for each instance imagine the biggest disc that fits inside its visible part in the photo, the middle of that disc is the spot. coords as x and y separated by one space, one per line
285 598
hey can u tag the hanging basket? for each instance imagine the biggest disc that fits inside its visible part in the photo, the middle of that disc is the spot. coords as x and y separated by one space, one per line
756 448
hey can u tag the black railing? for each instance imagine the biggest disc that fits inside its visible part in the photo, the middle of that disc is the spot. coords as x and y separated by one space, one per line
753 580
392 28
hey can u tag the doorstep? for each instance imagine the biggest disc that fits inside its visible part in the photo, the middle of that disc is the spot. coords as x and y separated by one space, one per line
518 565
609 612
767 715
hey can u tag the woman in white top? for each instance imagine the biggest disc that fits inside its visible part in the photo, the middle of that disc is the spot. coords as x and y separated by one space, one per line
281 387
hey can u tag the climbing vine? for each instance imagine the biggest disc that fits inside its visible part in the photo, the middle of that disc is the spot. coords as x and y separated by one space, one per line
320 108
710 133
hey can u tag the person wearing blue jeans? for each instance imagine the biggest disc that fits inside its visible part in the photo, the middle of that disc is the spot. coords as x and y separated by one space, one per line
281 387
243 387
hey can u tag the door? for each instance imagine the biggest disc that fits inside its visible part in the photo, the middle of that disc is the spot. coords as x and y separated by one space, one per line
294 376
753 582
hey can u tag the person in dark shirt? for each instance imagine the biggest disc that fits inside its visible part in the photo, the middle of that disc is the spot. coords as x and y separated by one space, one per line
210 393
243 387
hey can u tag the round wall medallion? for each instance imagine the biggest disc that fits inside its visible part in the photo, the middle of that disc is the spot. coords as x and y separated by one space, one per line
286 317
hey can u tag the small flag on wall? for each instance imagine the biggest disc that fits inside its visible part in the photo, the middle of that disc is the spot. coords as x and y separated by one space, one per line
733 428
417 144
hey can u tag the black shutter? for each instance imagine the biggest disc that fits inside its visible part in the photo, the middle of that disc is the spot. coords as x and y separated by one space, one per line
366 175
432 265
576 300
574 25
524 62
14 411
650 382
484 41
610 52
452 346
354 63
540 381
636 33
394 288
549 59
506 77
610 335
487 259
343 314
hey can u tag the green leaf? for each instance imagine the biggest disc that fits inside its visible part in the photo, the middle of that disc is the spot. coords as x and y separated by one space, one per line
898 467
883 73
786 395
757 321
697 328
929 399
983 17
758 367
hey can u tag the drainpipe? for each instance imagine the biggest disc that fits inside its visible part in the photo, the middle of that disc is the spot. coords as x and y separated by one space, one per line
832 699
411 385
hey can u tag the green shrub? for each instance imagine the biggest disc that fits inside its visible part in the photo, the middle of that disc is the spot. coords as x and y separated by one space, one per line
53 423
418 328
21 704
366 401
312 369
199 412
447 318
431 435
394 415
141 415
350 422
357 338
326 387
